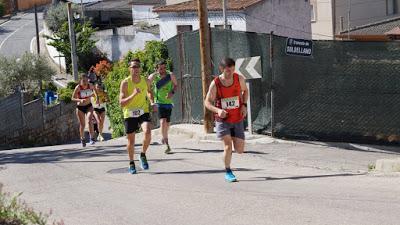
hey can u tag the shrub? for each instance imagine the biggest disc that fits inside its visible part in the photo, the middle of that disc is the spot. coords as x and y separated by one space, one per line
57 15
16 212
154 50
103 68
25 73
64 94
2 8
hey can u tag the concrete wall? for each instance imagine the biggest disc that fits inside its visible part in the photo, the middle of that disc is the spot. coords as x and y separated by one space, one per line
32 124
170 21
361 12
322 27
29 4
144 13
285 17
116 43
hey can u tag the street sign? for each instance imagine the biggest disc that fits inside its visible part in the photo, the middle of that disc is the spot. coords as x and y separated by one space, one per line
249 67
299 47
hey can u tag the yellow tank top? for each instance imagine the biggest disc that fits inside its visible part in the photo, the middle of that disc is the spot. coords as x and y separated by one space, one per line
139 104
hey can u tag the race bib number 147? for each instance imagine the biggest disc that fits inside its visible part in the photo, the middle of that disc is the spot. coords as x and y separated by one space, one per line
230 103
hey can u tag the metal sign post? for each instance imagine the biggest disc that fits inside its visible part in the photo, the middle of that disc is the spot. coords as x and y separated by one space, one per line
249 109
250 68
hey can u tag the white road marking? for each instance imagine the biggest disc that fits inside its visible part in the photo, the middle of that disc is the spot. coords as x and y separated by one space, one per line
32 41
15 31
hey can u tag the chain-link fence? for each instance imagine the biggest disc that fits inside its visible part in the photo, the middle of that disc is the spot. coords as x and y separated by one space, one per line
345 91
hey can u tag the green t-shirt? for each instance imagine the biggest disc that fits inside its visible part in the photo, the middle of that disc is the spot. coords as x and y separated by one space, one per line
162 87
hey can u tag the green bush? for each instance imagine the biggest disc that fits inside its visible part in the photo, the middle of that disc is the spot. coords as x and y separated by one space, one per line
16 212
65 94
154 51
2 8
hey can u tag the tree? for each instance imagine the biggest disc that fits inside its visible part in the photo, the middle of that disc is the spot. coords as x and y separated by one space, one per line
25 73
57 15
102 68
84 43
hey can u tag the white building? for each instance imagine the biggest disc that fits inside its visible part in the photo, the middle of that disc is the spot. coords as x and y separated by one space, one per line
142 11
331 17
285 17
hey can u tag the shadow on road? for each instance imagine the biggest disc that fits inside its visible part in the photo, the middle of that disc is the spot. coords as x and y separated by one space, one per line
200 171
302 177
49 156
196 150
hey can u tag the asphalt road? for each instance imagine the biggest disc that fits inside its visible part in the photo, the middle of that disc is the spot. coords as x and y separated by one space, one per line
279 183
17 33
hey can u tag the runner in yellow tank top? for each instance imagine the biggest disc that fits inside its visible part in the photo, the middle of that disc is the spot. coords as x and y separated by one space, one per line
135 98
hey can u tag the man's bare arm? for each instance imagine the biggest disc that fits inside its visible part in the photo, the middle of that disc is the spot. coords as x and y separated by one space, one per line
210 98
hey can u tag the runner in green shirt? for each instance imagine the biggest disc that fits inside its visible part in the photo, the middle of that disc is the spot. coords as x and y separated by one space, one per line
164 85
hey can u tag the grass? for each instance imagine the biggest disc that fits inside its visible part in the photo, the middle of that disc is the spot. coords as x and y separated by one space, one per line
16 212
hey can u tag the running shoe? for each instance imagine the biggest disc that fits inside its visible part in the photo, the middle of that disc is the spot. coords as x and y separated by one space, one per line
230 177
143 162
132 169
168 150
83 142
100 138
92 141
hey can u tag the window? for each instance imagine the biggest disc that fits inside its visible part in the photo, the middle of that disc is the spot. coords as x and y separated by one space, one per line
228 27
313 12
184 28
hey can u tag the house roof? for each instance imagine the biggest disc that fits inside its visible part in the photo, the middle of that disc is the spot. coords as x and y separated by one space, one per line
212 5
110 5
376 28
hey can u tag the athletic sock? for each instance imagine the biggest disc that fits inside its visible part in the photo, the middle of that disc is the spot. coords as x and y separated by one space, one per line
228 170
142 154
132 163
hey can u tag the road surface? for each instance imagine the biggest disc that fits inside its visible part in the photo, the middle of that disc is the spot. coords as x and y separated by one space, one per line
279 183
17 33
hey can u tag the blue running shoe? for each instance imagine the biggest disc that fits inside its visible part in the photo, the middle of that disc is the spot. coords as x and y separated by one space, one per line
143 162
132 169
230 177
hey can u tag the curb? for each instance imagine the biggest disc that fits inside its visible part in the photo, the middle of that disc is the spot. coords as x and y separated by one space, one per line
388 165
196 132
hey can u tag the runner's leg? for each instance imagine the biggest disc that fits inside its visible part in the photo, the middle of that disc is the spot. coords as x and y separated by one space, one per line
89 117
146 127
81 118
130 147
227 141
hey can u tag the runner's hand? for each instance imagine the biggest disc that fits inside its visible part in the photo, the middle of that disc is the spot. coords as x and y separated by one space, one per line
170 95
222 113
243 111
136 91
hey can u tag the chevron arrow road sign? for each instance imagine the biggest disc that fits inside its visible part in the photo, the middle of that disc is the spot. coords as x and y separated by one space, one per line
249 67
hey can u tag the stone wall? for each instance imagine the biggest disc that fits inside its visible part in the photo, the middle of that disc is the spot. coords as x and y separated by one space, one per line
33 124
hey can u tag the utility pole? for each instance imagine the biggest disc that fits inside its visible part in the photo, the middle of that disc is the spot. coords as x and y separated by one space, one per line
37 32
38 44
224 2
82 12
205 56
348 20
74 57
